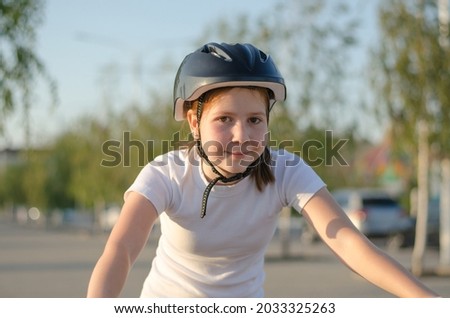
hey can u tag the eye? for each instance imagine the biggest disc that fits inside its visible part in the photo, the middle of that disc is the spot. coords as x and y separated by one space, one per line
224 119
255 120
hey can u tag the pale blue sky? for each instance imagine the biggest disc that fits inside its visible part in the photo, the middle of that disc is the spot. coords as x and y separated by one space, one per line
79 39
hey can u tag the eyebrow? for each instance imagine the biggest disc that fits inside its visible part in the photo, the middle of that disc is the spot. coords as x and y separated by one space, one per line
227 113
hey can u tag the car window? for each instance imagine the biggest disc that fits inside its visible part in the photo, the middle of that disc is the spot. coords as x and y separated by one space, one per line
385 202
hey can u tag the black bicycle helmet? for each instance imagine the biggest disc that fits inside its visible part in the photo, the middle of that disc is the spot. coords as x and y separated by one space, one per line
222 65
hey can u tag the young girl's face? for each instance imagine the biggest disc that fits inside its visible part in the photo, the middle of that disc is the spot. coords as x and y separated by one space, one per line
233 128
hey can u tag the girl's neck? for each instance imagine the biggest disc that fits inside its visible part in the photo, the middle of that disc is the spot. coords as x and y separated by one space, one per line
210 175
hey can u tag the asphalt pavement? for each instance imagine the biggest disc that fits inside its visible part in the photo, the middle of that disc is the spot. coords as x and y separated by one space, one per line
39 263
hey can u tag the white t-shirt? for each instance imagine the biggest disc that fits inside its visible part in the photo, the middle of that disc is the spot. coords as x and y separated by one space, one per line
221 255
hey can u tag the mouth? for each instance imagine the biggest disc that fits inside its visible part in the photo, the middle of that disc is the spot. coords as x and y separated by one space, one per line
239 154
245 151
236 153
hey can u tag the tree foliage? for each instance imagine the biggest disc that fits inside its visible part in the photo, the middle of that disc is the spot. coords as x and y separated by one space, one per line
20 66
413 73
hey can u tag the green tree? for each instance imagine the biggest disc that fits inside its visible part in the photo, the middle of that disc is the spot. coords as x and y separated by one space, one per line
25 181
11 187
20 67
412 74
412 82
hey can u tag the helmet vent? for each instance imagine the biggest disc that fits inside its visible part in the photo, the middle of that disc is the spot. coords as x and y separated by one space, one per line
263 56
219 53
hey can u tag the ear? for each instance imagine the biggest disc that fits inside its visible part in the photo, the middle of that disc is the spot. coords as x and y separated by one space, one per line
191 117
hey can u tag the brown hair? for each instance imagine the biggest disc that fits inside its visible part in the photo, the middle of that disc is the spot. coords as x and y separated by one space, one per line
262 173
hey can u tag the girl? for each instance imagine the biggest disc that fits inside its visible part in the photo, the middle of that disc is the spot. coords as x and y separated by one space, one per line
218 201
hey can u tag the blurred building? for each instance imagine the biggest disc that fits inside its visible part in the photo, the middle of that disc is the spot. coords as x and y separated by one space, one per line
386 168
9 156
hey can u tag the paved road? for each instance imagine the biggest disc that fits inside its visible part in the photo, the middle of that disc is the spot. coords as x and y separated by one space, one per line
39 263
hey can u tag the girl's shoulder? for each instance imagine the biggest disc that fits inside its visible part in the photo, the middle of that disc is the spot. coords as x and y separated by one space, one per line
179 157
288 165
296 181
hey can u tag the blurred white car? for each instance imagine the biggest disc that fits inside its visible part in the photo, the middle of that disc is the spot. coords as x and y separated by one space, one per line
374 212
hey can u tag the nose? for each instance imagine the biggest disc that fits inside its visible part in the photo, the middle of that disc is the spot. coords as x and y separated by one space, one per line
239 132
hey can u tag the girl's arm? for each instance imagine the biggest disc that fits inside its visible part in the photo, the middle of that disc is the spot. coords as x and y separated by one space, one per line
357 252
124 244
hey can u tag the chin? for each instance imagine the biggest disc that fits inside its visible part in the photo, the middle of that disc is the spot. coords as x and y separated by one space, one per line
234 169
232 165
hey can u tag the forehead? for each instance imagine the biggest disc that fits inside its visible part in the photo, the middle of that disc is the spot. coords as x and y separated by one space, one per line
238 97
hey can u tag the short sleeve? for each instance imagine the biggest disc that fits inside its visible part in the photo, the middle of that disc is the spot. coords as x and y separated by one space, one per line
298 182
153 182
